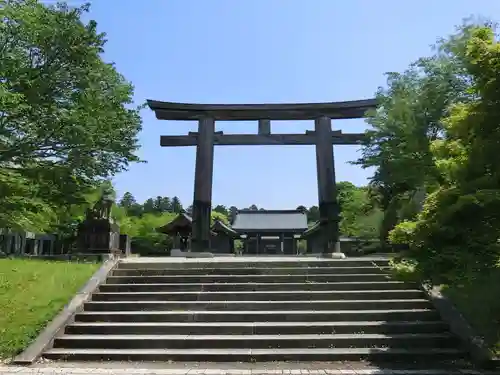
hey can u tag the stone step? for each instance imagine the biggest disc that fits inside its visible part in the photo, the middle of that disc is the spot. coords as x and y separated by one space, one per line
248 271
181 279
259 316
242 328
250 263
246 310
270 286
398 304
296 295
255 355
423 340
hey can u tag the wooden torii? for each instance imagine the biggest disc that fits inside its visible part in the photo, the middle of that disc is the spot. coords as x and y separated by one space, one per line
322 137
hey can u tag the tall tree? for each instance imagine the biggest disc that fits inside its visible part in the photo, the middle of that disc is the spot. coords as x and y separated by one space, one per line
404 125
127 200
358 217
313 214
221 209
149 206
233 210
176 205
457 231
302 208
65 118
166 204
162 204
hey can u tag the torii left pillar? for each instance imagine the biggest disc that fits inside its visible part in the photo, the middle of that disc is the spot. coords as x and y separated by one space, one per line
202 200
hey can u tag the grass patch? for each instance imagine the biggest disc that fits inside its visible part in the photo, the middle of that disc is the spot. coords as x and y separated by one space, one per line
32 292
478 299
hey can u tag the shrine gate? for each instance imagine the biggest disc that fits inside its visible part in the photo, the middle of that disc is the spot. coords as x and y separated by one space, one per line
323 138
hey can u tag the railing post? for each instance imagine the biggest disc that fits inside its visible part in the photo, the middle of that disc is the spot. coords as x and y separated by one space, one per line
327 189
202 201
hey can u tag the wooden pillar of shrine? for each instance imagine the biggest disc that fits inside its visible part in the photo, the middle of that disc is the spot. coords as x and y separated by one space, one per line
202 201
327 189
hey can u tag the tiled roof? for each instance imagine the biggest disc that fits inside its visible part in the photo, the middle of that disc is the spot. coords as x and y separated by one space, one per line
220 226
291 220
181 221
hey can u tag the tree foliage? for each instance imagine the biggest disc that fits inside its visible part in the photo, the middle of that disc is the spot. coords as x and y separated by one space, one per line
464 212
65 116
448 147
407 121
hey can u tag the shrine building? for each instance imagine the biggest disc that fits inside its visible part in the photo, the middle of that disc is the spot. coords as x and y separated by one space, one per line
270 232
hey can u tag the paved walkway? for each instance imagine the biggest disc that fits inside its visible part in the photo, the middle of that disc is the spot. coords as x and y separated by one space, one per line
195 368
197 371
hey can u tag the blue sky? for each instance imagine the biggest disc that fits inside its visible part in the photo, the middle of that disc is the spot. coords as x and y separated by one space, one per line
256 51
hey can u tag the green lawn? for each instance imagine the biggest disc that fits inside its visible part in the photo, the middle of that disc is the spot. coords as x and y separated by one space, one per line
32 292
479 301
477 298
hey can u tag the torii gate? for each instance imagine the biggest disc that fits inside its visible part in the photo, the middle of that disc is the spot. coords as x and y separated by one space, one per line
322 137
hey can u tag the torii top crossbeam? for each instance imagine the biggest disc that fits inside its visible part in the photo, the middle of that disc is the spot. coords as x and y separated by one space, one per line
248 112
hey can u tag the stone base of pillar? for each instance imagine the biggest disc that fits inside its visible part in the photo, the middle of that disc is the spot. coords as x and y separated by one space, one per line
334 251
337 256
333 255
336 247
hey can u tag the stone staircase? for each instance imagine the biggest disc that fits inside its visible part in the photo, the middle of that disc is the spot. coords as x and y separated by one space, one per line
256 310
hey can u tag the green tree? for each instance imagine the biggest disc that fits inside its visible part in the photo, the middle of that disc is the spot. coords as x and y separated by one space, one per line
233 211
313 214
162 204
456 233
219 216
23 208
149 206
176 205
166 204
221 209
127 200
65 121
404 125
302 209
145 238
130 204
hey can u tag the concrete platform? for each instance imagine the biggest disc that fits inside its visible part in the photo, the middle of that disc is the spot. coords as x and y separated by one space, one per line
134 368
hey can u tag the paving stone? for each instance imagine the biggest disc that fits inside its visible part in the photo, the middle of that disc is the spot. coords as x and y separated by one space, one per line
188 371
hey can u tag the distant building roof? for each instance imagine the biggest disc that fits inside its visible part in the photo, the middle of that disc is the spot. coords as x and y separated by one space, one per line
219 226
181 223
270 220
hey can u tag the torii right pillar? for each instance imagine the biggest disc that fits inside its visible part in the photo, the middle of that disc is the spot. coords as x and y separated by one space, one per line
329 210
